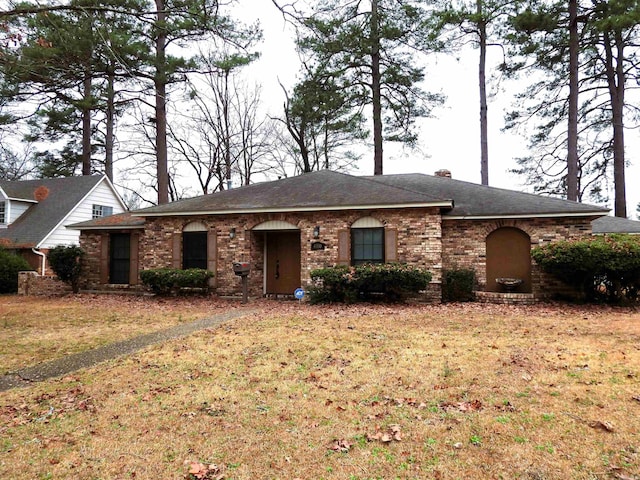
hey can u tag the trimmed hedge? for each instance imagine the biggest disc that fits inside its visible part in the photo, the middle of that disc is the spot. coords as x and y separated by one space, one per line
458 285
390 282
603 268
66 262
10 265
165 281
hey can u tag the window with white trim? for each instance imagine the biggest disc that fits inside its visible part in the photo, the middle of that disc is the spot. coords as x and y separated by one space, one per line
99 211
3 218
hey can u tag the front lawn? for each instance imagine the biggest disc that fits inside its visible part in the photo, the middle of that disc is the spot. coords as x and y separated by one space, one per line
37 329
358 392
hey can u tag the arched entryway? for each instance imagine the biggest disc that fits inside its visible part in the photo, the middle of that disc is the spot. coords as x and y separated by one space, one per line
508 255
281 256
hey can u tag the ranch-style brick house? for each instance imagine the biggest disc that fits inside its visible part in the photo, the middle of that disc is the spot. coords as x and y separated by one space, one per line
289 227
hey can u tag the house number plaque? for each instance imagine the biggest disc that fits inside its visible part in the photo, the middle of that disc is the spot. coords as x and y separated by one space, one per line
318 246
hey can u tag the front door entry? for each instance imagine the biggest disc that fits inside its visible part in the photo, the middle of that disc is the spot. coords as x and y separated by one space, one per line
283 262
120 260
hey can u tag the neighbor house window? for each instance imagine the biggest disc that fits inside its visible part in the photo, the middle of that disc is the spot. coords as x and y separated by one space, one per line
99 211
194 246
2 213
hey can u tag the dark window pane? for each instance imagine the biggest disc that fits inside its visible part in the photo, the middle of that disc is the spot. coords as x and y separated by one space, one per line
194 250
120 258
367 245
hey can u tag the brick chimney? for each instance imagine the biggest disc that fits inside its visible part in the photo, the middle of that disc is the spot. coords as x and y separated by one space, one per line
443 173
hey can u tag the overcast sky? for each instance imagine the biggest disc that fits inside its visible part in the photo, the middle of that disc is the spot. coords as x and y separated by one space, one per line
451 140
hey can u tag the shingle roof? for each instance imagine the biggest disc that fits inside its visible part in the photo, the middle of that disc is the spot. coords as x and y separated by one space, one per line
120 220
610 224
322 190
36 223
473 200
326 190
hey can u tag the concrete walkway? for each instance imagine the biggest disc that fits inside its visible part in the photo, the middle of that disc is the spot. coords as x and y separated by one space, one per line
89 358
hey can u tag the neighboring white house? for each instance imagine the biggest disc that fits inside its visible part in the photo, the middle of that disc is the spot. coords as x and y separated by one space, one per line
34 213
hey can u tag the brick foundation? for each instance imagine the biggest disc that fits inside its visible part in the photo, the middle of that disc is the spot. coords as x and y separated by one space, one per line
505 298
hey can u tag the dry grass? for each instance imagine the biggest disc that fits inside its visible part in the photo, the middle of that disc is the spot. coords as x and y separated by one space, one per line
357 393
36 329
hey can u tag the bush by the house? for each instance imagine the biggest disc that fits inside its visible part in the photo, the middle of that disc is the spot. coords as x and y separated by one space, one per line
164 281
603 268
66 262
10 265
379 282
458 284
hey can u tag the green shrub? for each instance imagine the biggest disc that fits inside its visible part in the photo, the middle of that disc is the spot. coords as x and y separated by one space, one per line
603 268
10 265
458 284
390 282
66 262
164 281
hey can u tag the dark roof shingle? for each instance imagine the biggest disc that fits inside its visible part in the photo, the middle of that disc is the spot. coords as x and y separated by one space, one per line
322 190
326 190
609 224
473 200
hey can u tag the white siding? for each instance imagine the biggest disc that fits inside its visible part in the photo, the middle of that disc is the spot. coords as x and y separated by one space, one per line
101 195
17 209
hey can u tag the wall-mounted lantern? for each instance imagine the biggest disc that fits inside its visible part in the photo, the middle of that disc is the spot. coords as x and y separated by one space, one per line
232 233
316 231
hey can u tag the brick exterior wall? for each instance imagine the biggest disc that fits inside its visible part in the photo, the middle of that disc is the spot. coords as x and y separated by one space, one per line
464 246
424 239
419 243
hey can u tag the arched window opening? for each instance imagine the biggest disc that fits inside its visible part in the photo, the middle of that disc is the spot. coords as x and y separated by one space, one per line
508 256
367 241
194 246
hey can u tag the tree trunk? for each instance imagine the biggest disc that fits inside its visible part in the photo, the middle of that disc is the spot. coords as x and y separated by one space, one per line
572 128
616 83
376 89
160 84
227 131
110 120
484 137
86 124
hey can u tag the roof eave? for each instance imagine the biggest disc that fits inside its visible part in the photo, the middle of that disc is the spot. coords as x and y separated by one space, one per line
599 213
26 200
445 204
106 227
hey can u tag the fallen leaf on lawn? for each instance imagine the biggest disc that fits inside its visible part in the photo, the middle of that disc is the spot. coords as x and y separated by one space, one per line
341 446
636 398
463 407
392 433
607 426
201 471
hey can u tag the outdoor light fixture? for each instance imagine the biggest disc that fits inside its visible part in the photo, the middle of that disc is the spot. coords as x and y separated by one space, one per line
316 232
232 233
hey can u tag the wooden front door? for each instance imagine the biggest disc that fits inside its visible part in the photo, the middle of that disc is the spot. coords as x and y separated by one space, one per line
283 262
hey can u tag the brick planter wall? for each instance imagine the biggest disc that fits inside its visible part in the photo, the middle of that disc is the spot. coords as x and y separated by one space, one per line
30 283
